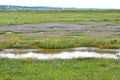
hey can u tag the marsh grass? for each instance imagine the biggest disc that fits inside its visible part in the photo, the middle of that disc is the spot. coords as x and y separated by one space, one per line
75 39
55 69
52 27
59 42
15 17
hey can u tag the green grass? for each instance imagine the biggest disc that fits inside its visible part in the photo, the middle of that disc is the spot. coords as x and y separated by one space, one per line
56 27
58 42
73 69
15 17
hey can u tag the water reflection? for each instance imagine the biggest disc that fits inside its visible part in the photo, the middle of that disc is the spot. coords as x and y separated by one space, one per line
60 53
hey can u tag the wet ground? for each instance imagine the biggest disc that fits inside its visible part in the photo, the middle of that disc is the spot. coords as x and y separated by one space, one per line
62 28
82 52
90 29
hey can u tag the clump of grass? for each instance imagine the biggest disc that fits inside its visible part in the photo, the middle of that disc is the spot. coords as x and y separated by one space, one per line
56 27
1 48
112 46
114 41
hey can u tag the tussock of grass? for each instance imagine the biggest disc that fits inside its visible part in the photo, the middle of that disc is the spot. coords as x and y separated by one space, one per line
52 27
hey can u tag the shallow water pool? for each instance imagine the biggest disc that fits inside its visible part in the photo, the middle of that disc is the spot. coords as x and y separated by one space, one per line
82 52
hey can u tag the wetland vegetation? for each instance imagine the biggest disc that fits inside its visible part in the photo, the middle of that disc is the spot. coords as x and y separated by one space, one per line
63 35
59 29
71 69
15 17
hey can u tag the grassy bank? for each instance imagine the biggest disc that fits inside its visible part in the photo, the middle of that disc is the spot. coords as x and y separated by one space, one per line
59 42
74 69
15 17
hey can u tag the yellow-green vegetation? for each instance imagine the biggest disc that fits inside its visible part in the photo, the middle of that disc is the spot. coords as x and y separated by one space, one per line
73 69
14 17
58 42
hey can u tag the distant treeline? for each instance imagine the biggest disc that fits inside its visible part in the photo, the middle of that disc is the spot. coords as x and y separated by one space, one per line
27 7
14 7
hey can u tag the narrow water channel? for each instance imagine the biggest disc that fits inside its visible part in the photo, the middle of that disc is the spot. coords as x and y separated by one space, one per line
83 52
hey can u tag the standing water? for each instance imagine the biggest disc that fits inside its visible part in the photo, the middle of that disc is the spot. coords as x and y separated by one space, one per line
83 52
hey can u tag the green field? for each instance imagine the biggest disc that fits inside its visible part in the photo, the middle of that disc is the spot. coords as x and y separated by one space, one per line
74 69
65 16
